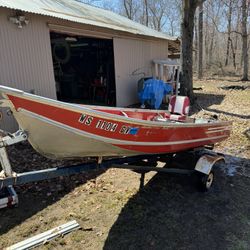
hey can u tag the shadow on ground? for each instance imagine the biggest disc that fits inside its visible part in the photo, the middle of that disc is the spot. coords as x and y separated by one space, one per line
207 100
228 113
36 196
228 79
170 214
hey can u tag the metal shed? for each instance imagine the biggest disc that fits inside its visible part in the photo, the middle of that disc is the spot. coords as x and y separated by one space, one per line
30 29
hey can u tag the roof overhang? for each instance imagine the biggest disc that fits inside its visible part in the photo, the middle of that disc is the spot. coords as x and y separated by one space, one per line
74 11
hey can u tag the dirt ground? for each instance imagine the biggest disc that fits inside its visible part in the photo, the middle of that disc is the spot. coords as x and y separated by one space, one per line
169 213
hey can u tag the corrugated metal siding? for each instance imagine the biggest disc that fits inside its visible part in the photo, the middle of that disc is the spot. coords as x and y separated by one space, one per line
25 58
132 55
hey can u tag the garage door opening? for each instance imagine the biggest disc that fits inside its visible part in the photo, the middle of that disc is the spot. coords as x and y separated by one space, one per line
84 69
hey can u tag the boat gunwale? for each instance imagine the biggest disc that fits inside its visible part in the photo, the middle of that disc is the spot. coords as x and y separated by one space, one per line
104 115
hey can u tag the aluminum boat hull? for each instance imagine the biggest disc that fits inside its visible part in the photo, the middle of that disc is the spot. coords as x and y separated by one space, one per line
63 130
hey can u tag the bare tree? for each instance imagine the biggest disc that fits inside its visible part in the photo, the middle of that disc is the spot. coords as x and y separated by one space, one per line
206 30
231 9
215 13
244 41
131 8
200 50
157 10
213 16
162 15
146 12
224 27
172 15
218 37
229 16
128 6
187 30
196 40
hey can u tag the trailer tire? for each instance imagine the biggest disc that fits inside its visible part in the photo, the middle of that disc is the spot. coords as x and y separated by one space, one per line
206 181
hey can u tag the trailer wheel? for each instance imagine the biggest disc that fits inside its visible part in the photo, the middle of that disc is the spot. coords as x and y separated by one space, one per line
206 181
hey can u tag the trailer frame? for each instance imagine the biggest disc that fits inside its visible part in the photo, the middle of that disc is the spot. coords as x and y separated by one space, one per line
204 161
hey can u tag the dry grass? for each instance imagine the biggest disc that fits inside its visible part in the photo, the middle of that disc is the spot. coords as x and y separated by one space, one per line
233 105
168 214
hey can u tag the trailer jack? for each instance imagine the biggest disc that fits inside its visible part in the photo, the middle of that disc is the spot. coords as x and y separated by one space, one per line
5 141
8 196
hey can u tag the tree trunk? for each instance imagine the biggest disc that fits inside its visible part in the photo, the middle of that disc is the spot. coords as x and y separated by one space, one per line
195 42
211 47
244 41
238 23
206 40
200 51
146 10
187 32
128 8
229 30
233 53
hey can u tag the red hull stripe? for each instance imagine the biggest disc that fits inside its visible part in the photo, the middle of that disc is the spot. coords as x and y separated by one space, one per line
124 131
112 140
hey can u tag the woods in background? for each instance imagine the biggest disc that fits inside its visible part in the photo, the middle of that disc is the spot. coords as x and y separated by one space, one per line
226 37
221 30
161 15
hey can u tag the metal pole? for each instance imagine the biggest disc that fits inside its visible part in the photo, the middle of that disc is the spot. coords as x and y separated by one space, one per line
5 163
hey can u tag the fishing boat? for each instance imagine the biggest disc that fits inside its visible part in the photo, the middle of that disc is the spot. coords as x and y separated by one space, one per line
64 130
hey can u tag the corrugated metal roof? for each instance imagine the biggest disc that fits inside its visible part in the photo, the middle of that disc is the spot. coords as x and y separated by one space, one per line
72 10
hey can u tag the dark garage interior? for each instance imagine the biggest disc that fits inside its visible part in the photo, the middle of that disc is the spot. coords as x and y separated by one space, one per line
84 69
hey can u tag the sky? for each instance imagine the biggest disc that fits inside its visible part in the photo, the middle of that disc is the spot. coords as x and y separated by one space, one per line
101 3
115 5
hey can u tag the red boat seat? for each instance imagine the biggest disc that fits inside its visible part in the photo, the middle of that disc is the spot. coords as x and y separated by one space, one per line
178 108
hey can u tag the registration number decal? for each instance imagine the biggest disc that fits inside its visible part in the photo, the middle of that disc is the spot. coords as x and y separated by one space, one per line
86 119
126 130
107 126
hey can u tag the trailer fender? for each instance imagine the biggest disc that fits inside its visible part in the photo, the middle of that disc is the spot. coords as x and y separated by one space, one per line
206 162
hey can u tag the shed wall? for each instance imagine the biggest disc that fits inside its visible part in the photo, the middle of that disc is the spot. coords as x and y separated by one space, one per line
132 59
25 58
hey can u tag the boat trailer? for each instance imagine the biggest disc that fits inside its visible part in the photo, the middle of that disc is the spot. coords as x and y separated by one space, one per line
200 160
